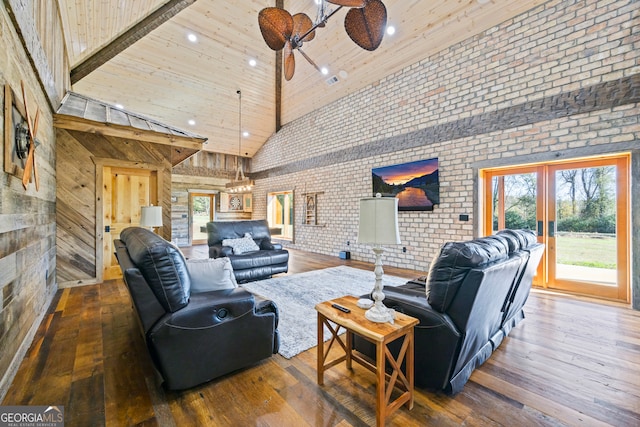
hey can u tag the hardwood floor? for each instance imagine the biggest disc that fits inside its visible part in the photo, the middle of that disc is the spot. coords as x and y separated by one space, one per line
573 361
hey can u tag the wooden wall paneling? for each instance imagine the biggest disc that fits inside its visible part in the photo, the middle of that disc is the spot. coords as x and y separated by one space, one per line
75 210
23 18
27 218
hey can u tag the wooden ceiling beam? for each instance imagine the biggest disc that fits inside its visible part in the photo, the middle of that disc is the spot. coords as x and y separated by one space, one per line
278 77
158 17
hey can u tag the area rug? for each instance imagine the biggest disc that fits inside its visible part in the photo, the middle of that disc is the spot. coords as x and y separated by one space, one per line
296 296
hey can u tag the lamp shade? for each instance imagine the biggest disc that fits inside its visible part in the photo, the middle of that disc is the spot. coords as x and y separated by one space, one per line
379 221
151 216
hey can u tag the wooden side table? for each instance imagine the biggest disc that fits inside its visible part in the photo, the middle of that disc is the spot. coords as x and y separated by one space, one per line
380 334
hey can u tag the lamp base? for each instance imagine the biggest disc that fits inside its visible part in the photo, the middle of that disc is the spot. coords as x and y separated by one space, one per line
380 314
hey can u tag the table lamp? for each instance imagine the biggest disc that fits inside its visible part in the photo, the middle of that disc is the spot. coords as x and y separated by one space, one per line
151 217
379 226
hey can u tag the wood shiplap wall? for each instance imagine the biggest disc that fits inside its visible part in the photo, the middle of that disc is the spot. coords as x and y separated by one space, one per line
27 217
76 195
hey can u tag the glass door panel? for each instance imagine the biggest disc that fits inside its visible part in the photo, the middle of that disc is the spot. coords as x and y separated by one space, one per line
587 239
202 211
515 201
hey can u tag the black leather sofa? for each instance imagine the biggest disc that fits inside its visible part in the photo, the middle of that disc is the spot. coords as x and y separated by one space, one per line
269 258
191 337
472 297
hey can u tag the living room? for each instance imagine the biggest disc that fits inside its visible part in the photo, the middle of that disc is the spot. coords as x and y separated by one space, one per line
556 83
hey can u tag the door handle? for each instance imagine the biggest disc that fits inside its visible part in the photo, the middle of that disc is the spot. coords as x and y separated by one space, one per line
552 229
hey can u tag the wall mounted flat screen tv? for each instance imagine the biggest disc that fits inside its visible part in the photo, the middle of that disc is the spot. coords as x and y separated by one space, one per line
414 184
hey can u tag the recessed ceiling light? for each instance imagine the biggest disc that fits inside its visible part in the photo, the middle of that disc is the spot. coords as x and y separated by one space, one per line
192 122
245 134
391 30
253 62
192 37
119 106
343 74
324 70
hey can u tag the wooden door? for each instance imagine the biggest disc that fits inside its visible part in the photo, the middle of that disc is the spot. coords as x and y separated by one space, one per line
125 191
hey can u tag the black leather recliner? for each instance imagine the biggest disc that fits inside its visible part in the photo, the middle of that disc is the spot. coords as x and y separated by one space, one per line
470 300
192 338
270 259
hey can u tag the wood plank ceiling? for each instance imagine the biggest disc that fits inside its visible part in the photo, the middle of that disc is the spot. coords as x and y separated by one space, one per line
167 78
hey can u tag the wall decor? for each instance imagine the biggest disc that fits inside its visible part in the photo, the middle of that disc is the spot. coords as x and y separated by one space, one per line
414 184
13 119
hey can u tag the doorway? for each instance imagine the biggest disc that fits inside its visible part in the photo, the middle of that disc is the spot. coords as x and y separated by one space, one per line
280 214
124 193
201 210
579 209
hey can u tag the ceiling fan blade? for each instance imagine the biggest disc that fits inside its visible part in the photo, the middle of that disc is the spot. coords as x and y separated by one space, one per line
303 27
309 60
366 25
289 61
349 3
276 26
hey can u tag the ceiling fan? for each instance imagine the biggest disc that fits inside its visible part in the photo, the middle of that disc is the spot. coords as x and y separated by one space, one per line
365 24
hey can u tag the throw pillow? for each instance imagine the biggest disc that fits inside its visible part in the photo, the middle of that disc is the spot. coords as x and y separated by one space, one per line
211 274
242 245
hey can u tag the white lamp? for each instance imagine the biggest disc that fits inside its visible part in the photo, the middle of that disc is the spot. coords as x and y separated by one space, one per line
151 217
379 226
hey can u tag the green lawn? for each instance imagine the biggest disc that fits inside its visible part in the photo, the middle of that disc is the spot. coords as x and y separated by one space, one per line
585 251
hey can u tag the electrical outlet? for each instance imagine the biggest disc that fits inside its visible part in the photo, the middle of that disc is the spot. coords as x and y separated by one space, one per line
404 249
348 243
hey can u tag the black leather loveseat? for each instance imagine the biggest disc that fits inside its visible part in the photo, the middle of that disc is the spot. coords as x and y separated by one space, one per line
261 261
472 297
192 337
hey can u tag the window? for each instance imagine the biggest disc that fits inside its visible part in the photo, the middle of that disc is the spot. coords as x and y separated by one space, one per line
280 214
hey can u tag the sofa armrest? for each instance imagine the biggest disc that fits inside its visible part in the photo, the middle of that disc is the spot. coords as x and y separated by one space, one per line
414 303
218 251
213 308
268 245
265 306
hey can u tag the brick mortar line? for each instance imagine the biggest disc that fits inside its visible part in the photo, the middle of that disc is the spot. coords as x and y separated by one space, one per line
600 96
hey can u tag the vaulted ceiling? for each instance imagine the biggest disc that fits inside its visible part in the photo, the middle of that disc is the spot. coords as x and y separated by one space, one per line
136 53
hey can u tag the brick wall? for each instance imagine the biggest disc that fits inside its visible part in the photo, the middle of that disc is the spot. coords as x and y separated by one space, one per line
557 82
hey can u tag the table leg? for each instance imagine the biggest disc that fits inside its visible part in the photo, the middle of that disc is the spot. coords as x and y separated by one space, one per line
381 405
320 369
410 367
349 347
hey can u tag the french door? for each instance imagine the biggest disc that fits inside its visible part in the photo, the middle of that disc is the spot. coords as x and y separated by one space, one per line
579 210
202 210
